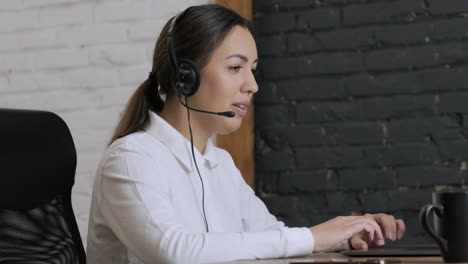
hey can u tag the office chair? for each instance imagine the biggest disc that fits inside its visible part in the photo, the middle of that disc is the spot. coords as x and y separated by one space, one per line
37 172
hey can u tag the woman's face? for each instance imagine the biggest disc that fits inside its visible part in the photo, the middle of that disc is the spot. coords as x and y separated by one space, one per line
227 82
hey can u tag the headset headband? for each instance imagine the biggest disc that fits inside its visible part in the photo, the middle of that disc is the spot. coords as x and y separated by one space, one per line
170 46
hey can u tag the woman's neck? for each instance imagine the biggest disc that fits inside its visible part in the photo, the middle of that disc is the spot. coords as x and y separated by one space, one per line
175 114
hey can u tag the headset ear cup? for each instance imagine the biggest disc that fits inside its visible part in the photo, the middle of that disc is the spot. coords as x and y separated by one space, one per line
188 77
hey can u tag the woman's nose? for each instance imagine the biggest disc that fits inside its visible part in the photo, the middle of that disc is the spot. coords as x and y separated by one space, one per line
250 85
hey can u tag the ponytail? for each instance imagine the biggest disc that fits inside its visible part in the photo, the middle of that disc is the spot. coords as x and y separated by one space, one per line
136 114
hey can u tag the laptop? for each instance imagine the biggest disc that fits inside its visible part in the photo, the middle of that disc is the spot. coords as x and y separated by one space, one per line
395 250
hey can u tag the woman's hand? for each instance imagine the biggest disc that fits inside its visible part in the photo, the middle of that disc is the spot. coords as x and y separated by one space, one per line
334 231
392 229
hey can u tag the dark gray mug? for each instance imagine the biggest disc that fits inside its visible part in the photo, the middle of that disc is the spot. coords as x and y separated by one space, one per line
450 213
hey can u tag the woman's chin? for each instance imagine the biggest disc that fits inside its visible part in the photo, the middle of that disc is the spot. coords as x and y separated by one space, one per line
231 126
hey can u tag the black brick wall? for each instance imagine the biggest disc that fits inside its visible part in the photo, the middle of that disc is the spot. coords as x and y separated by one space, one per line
363 106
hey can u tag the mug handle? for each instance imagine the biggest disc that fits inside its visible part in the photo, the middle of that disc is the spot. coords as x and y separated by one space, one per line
424 215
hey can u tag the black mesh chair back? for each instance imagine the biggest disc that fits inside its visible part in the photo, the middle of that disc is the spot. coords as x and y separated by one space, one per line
37 172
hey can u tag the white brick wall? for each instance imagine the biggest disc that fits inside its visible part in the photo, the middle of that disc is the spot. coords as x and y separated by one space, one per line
80 59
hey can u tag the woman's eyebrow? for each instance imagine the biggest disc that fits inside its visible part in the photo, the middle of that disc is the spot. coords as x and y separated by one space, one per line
240 56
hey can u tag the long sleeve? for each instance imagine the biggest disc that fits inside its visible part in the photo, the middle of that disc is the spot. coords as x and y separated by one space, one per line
149 204
138 209
298 241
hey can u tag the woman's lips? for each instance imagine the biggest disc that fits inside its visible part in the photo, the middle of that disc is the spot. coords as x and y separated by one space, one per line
240 109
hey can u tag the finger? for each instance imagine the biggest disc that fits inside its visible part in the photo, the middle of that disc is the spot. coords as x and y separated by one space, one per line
367 224
364 224
369 220
369 233
378 238
369 230
369 236
372 229
358 243
401 228
388 224
356 227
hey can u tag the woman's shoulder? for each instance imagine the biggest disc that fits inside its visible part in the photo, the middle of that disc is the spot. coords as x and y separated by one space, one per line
139 142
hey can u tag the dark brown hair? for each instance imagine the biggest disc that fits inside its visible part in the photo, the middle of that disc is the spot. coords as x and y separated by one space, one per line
199 31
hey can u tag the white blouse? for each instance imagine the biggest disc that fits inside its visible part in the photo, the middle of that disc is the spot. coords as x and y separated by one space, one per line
147 206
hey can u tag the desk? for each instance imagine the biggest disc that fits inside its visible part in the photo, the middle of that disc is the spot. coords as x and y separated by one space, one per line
338 258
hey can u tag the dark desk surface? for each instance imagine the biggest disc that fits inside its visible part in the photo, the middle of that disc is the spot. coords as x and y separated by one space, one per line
338 258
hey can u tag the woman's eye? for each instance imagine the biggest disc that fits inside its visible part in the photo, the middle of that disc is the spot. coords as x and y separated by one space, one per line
254 72
235 68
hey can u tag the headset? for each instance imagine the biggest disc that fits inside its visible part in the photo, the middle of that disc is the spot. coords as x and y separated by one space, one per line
187 81
187 73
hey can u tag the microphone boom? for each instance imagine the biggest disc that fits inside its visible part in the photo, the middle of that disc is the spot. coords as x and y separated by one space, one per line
229 114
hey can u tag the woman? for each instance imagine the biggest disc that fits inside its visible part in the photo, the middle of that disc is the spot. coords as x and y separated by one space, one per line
164 194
